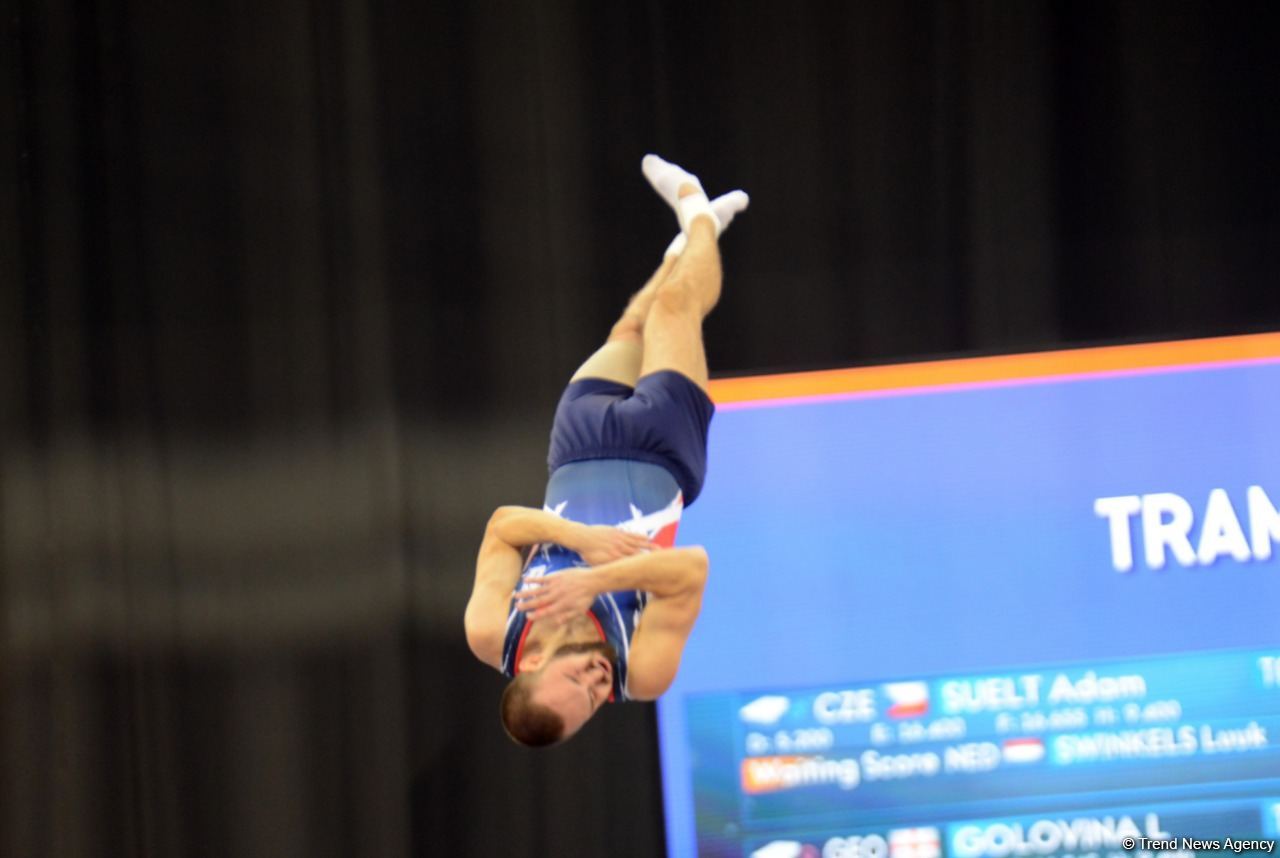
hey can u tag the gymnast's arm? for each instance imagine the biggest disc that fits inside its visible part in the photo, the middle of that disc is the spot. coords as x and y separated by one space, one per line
674 578
500 561
658 643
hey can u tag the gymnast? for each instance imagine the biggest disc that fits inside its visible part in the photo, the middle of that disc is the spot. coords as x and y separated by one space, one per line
587 600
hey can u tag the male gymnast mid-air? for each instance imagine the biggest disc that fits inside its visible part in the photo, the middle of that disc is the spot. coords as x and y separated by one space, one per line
599 604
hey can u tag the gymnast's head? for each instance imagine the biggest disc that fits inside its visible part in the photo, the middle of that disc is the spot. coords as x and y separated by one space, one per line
552 696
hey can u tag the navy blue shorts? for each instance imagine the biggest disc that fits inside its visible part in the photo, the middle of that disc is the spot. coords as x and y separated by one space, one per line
663 420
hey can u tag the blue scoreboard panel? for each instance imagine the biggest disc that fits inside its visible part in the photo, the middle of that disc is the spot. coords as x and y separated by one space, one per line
1011 607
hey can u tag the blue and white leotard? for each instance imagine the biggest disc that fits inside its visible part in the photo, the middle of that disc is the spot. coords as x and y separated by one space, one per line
635 496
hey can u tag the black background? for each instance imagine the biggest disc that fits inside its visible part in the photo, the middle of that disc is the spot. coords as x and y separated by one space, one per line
288 291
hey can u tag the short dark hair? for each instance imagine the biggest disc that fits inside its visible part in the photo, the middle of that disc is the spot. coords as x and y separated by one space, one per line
528 723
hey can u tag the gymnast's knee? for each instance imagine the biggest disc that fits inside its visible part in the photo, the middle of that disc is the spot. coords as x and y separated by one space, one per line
678 295
628 329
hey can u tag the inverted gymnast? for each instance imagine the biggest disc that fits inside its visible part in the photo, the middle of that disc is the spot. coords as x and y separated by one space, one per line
602 605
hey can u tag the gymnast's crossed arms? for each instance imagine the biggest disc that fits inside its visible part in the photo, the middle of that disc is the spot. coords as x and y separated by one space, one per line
617 561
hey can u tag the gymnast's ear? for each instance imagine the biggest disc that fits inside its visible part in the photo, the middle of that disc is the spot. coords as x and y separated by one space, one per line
531 662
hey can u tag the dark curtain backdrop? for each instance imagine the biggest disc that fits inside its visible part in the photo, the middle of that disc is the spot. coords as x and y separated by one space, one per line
288 290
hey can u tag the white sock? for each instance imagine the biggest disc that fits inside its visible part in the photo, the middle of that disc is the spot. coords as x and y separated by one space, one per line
693 206
723 208
667 178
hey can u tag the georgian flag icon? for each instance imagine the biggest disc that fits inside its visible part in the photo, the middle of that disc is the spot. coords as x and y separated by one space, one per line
907 699
915 843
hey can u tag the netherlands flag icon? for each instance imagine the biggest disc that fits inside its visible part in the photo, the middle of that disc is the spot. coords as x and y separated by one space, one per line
1027 749
907 699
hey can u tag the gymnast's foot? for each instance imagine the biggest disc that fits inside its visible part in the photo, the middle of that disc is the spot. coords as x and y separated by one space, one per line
681 190
667 179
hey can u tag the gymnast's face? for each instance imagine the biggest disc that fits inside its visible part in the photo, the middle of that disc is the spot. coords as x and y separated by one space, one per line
575 682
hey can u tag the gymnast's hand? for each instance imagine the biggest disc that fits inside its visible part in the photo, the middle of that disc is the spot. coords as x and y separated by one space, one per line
559 597
599 543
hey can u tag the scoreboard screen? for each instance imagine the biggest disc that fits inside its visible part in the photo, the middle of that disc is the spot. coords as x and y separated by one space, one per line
1015 607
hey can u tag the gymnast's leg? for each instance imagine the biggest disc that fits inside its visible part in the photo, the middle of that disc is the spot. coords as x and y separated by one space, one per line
619 358
673 329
